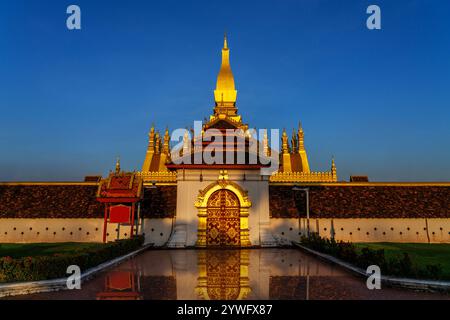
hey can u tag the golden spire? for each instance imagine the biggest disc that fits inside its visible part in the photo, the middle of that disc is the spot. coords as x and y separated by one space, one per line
225 93
157 143
294 141
185 143
118 165
285 145
265 144
301 138
166 148
333 169
225 42
151 139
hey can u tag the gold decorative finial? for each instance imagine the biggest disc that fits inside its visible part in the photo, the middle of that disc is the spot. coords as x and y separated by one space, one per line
166 147
301 138
223 175
151 139
285 145
265 144
333 169
294 141
157 143
185 142
118 165
225 43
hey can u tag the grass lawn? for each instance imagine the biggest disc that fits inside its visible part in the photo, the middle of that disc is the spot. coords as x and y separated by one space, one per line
420 253
42 249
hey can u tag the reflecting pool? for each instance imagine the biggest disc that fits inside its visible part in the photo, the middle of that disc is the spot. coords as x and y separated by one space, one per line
228 275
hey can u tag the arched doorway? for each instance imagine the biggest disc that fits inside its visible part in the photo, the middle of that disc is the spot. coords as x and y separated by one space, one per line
223 224
226 205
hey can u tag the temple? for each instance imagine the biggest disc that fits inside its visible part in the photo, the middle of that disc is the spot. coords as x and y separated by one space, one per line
223 186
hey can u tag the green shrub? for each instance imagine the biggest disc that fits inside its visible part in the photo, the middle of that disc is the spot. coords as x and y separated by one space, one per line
401 266
55 266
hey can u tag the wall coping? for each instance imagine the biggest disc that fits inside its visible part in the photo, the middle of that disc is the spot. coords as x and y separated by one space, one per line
364 184
327 184
49 183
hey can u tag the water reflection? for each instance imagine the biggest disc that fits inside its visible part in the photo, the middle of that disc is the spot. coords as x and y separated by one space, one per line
121 285
228 275
223 275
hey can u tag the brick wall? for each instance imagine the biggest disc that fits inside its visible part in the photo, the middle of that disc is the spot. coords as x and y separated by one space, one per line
160 202
375 201
49 201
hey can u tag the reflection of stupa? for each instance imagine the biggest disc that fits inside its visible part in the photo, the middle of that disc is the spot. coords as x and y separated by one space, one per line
223 275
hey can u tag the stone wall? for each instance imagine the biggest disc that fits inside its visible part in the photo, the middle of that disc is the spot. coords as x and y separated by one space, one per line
362 201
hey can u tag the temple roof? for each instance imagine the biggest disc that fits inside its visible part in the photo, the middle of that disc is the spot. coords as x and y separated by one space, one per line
120 186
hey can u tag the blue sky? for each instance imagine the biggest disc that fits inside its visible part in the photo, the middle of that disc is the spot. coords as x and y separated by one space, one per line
71 101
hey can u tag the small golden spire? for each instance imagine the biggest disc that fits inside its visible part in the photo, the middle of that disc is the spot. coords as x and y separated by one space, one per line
285 144
151 139
185 143
294 141
225 43
301 138
118 165
333 169
265 144
166 148
157 143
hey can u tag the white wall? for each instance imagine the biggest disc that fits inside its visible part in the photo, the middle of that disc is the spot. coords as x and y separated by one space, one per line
189 186
157 231
367 230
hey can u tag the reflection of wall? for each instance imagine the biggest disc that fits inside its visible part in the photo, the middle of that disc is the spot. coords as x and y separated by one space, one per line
287 288
315 288
367 230
159 288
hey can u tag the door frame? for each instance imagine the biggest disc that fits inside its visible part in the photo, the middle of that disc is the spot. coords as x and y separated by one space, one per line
202 206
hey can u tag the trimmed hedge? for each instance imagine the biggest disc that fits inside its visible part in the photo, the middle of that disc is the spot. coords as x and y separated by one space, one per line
55 266
401 265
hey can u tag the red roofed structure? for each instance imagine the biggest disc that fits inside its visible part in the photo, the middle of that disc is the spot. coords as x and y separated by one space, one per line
120 193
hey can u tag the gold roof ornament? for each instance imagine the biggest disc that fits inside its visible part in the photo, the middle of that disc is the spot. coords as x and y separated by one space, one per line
118 165
265 144
294 141
166 147
185 143
333 169
151 139
157 143
285 145
301 138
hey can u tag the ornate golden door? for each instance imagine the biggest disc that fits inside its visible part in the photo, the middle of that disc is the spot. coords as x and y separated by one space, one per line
223 226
